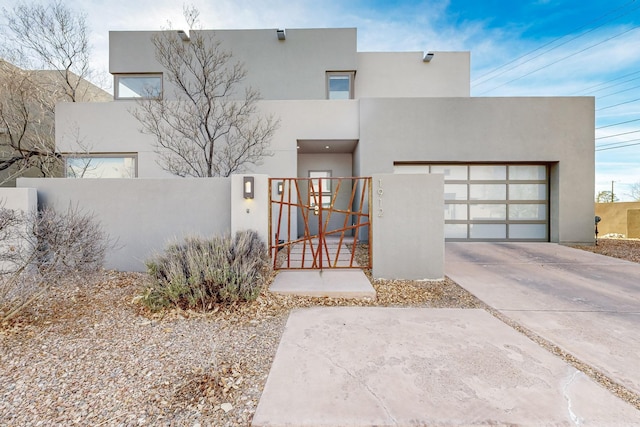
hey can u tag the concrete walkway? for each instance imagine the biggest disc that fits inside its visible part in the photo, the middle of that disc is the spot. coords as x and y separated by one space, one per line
587 304
354 366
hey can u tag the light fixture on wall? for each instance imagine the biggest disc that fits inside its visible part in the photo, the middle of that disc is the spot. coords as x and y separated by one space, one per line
428 57
281 34
280 187
183 36
247 187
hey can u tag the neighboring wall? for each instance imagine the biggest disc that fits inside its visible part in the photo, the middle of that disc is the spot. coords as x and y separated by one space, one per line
615 219
142 215
557 131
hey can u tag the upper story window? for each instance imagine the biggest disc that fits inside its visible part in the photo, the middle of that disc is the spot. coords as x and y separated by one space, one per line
101 166
340 84
136 86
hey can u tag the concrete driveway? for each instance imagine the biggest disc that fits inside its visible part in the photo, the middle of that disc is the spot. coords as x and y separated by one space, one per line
587 304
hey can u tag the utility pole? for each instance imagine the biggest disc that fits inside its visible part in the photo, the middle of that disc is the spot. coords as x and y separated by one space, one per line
612 191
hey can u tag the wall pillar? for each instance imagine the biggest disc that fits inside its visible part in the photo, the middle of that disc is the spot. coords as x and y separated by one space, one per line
408 226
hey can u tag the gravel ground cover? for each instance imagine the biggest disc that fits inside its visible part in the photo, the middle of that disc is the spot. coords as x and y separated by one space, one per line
93 356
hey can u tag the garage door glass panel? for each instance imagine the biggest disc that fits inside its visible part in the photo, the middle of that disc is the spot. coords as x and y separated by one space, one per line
487 192
487 212
488 231
455 212
527 231
488 173
527 173
534 212
455 191
527 191
455 231
451 172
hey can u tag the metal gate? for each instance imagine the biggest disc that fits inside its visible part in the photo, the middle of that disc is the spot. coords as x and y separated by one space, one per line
331 214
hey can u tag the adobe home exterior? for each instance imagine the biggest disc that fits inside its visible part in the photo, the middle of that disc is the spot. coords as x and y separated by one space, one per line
515 169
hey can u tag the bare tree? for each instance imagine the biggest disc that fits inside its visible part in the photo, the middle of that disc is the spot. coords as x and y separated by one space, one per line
26 124
205 128
49 54
51 37
634 191
41 249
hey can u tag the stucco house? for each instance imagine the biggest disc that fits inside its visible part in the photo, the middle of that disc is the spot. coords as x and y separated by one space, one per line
515 168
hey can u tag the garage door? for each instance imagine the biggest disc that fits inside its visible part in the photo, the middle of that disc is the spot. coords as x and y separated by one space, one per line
492 202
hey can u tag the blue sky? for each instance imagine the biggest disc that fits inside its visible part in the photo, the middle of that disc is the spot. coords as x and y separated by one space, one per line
518 48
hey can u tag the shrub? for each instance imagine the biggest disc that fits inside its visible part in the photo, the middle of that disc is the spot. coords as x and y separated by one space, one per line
199 273
42 249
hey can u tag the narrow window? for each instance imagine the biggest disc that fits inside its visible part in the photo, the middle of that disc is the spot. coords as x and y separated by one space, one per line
320 188
340 84
136 86
97 166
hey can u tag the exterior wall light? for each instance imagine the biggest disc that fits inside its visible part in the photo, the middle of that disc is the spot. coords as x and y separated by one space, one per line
281 34
428 57
248 187
280 187
183 36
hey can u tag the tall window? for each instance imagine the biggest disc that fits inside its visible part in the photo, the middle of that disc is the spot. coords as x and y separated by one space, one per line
340 84
320 188
110 166
135 86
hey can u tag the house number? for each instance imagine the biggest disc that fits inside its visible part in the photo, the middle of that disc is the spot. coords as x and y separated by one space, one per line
380 194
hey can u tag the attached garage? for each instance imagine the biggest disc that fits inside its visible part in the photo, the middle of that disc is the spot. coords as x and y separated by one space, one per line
497 202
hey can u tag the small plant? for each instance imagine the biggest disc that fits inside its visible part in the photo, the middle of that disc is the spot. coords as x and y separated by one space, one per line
201 272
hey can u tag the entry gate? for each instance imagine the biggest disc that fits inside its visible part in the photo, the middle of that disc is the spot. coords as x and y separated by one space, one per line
329 213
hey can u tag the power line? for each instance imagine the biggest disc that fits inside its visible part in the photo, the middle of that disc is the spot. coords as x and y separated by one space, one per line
552 42
615 105
618 134
564 58
620 91
621 146
608 81
620 123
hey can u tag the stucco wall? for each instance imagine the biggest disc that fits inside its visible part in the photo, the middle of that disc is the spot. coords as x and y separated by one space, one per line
110 128
290 69
142 215
405 74
557 131
408 226
615 217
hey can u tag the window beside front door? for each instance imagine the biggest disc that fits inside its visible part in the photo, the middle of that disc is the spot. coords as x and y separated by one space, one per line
320 188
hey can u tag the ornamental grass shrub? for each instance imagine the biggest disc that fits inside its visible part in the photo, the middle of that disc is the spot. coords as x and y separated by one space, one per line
199 273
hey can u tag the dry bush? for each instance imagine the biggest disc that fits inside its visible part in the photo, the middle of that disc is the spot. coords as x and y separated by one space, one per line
41 249
199 273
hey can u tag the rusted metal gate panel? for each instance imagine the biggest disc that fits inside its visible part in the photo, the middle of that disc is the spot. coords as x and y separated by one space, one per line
332 218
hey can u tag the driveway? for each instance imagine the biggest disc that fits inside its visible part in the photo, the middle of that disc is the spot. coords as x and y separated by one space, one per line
585 303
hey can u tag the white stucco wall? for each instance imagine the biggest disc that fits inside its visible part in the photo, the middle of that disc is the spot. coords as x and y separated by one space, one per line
408 226
557 131
404 74
110 128
290 69
140 215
